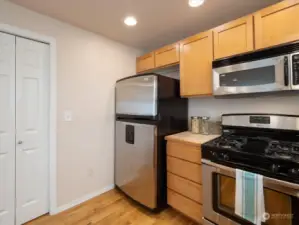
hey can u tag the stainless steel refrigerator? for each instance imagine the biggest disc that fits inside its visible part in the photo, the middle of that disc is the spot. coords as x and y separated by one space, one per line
148 107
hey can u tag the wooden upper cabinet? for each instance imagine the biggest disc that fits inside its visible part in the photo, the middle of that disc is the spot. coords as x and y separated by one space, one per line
234 37
196 58
145 62
167 55
277 24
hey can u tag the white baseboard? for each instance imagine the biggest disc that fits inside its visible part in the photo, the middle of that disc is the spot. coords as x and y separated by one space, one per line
81 200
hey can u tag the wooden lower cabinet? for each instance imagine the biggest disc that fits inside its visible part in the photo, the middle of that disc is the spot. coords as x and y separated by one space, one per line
182 168
184 179
185 205
184 151
187 188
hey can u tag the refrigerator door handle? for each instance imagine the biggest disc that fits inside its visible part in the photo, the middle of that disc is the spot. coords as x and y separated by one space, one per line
155 148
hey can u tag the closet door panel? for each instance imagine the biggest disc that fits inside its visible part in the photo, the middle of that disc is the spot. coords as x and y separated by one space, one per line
32 73
7 129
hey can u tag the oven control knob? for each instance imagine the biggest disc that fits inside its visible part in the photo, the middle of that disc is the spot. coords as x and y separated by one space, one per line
214 154
275 168
294 171
225 157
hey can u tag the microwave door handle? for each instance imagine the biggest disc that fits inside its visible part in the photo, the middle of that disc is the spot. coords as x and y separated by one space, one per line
282 71
286 71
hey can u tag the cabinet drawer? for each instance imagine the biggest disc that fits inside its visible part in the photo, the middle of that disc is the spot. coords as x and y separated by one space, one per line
182 168
167 55
185 187
185 205
275 25
187 152
145 62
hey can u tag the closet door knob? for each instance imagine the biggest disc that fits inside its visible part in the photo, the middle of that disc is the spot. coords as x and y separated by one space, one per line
20 142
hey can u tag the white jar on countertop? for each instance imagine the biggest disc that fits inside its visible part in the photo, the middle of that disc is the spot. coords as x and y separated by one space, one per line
195 124
205 125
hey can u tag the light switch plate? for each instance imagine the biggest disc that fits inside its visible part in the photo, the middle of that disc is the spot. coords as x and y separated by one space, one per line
68 116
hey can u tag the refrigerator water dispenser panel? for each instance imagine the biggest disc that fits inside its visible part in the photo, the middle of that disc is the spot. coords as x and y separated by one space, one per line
130 134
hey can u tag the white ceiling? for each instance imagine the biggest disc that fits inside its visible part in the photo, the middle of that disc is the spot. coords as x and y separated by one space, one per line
160 22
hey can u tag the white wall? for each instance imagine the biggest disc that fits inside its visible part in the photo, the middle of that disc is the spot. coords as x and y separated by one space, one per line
284 103
87 67
280 102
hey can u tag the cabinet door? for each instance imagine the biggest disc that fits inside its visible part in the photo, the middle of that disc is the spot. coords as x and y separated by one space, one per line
196 65
185 205
145 62
185 187
167 55
234 37
277 24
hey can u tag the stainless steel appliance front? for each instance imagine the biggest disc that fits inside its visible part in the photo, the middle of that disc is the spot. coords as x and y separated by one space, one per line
219 195
283 122
135 161
137 96
251 77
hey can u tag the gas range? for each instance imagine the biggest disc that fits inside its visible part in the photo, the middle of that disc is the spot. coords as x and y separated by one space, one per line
263 144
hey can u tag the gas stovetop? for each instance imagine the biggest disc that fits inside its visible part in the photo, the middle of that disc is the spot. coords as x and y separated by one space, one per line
263 146
272 152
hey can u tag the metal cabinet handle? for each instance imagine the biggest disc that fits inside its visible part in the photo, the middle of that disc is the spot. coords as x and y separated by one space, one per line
20 142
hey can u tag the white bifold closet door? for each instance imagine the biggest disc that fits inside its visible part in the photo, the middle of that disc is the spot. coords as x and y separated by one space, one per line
7 129
32 164
24 130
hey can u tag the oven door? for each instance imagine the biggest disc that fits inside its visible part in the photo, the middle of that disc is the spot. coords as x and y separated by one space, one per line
265 75
281 198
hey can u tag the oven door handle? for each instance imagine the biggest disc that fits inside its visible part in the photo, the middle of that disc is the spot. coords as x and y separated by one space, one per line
225 169
271 183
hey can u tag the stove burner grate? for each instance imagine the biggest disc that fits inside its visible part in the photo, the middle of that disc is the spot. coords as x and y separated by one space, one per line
260 145
231 142
283 150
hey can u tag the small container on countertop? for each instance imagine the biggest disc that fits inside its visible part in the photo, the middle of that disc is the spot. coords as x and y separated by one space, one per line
195 124
205 125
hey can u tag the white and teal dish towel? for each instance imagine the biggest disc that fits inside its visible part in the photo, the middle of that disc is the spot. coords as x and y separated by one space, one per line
250 203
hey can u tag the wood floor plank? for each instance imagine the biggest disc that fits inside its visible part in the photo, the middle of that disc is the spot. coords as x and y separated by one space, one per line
112 208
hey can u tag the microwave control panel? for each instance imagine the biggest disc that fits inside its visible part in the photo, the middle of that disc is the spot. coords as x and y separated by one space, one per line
295 65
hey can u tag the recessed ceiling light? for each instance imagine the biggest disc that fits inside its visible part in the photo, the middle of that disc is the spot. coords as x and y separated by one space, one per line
130 21
196 3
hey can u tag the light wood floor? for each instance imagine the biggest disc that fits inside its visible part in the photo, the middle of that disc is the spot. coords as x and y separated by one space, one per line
112 208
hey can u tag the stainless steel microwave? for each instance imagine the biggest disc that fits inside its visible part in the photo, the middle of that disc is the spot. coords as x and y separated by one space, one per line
268 70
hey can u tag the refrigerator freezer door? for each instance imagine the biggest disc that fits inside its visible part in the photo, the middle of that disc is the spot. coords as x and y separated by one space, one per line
137 96
135 161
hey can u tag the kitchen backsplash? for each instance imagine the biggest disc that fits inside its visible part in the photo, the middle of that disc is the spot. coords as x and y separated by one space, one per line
282 103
